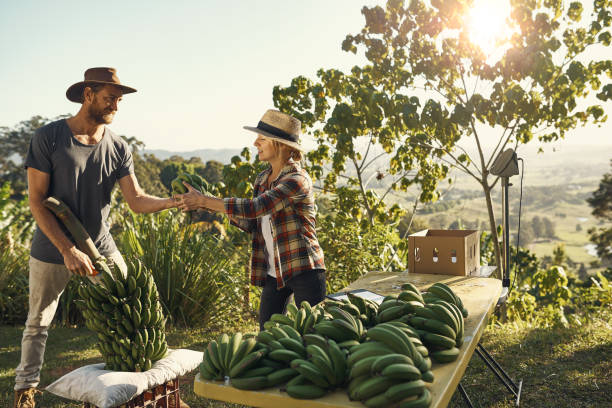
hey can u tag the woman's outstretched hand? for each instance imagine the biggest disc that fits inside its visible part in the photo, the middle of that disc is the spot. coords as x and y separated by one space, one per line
191 200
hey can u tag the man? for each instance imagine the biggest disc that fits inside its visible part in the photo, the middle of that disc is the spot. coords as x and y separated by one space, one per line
78 160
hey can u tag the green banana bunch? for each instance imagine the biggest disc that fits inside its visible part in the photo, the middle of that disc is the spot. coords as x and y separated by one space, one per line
440 291
345 325
400 341
324 369
230 356
125 314
302 319
193 179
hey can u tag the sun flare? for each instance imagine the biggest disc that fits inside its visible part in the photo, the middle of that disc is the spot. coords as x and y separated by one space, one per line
487 24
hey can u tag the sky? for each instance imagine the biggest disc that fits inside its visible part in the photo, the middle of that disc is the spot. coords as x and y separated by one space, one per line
203 69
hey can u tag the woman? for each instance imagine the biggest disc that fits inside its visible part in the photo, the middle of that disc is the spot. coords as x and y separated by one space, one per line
286 256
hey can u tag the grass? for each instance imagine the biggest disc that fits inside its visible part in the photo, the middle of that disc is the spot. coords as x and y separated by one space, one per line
559 367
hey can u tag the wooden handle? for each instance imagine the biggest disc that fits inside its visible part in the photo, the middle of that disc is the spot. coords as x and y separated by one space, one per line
80 235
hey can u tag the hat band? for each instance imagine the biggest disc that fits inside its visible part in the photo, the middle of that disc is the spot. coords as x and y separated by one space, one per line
277 132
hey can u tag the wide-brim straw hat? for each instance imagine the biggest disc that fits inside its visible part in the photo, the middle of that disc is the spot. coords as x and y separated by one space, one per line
281 127
92 76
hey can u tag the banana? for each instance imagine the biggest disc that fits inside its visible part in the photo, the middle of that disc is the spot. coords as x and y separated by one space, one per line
443 292
325 367
300 317
354 384
291 312
348 328
325 328
377 401
427 376
445 315
250 383
362 367
291 332
437 327
305 391
309 322
265 337
373 386
278 333
232 347
410 287
409 296
357 301
207 363
402 372
266 362
281 319
438 340
294 345
383 361
390 303
297 380
390 338
445 356
312 373
275 345
412 305
257 372
422 402
338 359
348 344
315 339
284 355
247 362
425 313
281 376
222 341
404 390
245 347
373 349
392 313
269 324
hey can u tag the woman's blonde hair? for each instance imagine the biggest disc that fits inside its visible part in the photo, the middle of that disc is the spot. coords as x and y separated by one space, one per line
294 154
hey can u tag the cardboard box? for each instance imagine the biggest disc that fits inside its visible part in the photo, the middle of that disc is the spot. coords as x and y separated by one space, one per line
445 252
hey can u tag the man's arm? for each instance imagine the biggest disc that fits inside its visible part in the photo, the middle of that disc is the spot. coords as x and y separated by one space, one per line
139 201
38 185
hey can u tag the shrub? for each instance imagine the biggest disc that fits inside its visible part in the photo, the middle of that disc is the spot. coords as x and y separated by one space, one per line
199 275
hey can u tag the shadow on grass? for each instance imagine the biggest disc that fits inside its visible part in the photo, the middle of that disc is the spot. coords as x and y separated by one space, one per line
559 367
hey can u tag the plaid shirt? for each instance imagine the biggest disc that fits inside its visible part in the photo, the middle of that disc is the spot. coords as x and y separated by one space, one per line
290 204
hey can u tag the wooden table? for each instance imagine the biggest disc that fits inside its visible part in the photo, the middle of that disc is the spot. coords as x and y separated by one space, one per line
479 295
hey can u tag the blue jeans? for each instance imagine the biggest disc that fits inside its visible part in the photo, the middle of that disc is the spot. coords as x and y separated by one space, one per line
308 285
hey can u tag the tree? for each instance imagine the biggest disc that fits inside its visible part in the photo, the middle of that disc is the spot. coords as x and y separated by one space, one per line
535 90
14 143
538 226
601 202
549 228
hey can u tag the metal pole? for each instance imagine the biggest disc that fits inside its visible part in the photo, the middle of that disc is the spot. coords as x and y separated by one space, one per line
506 226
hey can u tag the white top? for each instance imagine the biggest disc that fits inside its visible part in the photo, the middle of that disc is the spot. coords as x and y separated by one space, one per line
266 229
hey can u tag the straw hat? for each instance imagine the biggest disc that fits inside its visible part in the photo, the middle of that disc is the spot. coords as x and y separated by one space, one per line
279 126
96 76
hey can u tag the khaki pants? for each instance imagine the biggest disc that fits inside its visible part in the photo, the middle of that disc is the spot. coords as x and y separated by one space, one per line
47 282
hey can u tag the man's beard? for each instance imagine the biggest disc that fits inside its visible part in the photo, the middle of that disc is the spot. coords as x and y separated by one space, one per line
100 116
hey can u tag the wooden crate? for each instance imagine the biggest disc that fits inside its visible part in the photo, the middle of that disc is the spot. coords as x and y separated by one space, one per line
444 252
163 396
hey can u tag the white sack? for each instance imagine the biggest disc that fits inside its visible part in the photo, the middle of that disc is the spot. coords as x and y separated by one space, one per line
107 389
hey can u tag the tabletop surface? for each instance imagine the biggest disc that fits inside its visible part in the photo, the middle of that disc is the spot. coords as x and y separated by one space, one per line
479 296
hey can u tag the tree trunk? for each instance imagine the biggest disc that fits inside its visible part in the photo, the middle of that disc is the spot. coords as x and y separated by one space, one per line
493 226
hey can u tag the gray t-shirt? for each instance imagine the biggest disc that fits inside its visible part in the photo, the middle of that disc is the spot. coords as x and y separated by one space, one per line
82 176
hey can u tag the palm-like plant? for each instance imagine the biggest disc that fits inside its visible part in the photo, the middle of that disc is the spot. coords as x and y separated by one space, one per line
198 274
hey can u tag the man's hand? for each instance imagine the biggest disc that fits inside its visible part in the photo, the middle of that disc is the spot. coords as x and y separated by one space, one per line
191 200
78 262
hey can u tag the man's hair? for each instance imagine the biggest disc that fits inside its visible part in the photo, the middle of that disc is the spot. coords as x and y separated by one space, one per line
95 88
